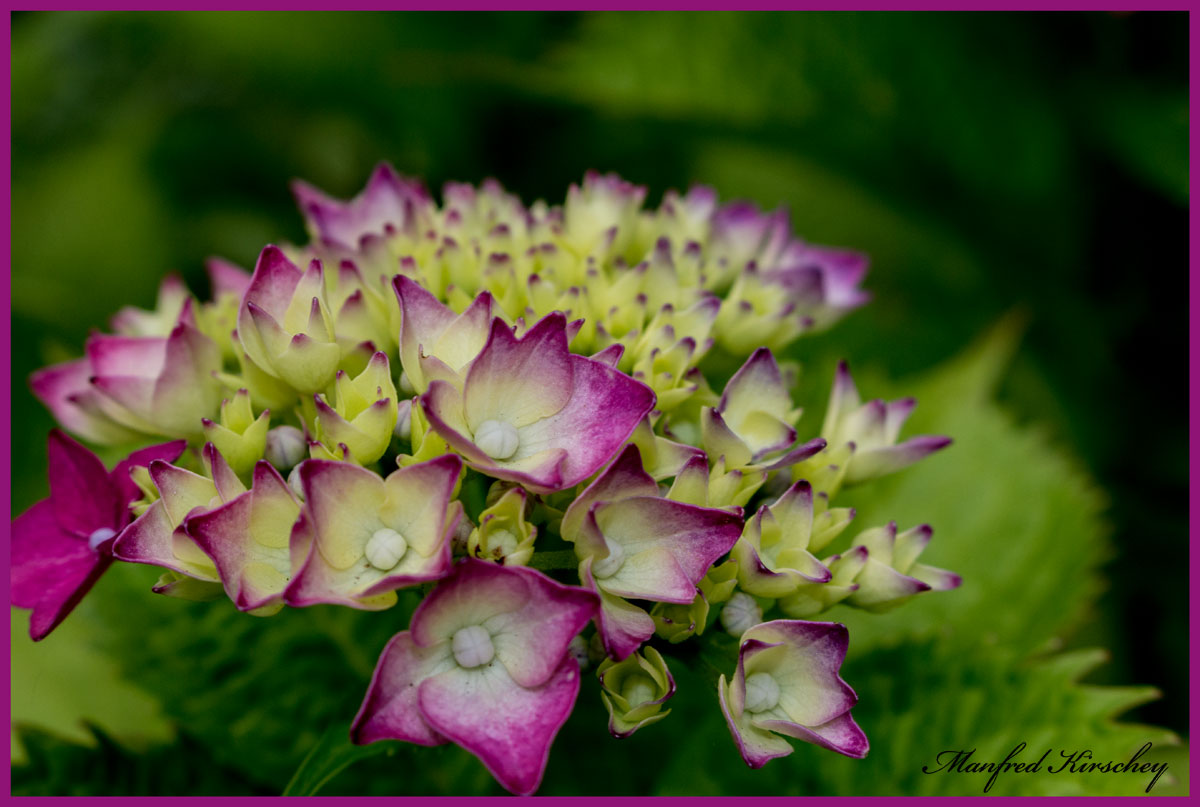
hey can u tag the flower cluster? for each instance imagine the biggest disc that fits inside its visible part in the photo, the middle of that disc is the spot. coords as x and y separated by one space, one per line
325 410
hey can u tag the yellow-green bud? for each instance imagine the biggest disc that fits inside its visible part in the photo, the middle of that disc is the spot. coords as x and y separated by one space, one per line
634 691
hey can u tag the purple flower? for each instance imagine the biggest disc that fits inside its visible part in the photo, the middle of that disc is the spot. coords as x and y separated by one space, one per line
872 428
62 544
388 204
821 280
156 384
65 390
755 419
633 544
159 536
484 664
249 541
787 683
891 573
773 555
534 413
370 536
285 324
436 343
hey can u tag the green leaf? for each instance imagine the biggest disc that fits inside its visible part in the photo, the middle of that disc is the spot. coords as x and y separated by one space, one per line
332 754
59 767
256 692
61 683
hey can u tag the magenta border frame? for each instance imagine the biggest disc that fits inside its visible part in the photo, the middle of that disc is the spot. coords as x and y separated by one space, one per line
535 5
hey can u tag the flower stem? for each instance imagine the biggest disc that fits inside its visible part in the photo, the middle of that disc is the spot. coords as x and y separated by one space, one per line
545 561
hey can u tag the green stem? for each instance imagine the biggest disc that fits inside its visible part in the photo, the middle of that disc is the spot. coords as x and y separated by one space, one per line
546 561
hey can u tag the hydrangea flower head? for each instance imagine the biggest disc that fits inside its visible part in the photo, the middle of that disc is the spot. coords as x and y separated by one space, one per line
519 413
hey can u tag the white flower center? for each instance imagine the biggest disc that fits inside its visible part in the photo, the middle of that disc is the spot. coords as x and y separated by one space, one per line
385 549
472 646
498 440
608 566
762 693
100 536
638 689
740 614
502 542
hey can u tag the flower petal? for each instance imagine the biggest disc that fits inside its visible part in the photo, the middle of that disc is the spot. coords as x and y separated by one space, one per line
694 536
51 569
604 408
519 381
248 539
625 477
509 727
389 711
623 625
530 617
880 461
82 495
804 659
385 204
757 747
65 391
841 734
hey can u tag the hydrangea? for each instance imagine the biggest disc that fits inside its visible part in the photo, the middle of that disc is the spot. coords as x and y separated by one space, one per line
328 409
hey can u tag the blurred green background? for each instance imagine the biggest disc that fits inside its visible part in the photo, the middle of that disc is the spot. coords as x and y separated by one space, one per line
1033 165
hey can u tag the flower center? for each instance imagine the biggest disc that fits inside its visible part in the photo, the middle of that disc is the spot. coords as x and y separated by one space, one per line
472 646
502 542
99 537
385 549
608 566
762 692
498 440
638 689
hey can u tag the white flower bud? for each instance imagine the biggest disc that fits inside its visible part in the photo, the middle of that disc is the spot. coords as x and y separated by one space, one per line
100 536
740 614
286 447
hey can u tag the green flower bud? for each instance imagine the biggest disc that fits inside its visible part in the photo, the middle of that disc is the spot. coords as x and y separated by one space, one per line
240 437
676 623
634 691
503 534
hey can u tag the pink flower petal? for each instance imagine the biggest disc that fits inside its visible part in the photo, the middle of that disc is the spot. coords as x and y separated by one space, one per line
509 727
389 711
82 496
51 569
530 617
519 381
624 478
